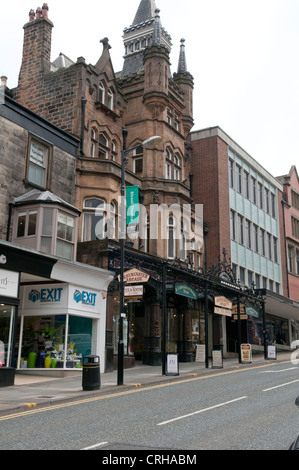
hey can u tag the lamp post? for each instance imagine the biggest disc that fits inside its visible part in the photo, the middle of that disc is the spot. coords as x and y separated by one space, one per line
148 143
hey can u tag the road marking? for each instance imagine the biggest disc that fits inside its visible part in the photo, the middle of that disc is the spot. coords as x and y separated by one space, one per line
127 392
282 385
277 371
100 444
201 411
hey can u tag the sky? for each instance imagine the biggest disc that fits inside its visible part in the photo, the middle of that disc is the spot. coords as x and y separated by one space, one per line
243 55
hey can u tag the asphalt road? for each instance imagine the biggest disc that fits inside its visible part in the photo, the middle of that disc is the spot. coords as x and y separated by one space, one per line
250 409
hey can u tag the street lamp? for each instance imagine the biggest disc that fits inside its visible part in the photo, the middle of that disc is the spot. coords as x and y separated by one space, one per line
148 143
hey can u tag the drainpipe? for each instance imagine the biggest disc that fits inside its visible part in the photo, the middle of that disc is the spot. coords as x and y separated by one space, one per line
9 221
83 107
284 203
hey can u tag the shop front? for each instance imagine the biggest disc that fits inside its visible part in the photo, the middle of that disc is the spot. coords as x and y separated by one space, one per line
52 312
59 324
9 290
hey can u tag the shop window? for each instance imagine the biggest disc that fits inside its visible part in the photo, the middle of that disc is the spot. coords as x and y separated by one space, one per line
7 313
55 341
38 163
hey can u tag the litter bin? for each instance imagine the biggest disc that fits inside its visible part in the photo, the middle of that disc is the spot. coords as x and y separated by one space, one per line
91 379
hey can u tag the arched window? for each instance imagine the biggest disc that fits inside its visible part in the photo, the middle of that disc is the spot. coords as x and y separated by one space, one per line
101 92
168 165
93 144
111 221
113 151
103 146
176 167
183 251
93 219
110 98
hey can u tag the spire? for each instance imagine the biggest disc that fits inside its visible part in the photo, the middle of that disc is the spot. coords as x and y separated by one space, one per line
143 33
156 40
145 12
182 67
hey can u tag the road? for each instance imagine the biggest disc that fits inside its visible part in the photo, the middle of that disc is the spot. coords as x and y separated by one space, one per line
243 409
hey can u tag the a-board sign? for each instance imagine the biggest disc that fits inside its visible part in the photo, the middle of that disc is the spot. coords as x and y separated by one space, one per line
172 364
200 353
217 360
271 352
246 356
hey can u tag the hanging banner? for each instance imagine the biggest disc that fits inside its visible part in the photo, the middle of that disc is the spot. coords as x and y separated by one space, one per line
246 353
132 202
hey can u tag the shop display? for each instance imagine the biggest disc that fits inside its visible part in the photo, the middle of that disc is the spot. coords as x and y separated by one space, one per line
43 344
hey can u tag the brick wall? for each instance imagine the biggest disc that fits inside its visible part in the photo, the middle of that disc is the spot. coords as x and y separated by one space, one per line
211 188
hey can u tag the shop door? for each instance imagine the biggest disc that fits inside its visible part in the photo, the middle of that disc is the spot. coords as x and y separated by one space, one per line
136 329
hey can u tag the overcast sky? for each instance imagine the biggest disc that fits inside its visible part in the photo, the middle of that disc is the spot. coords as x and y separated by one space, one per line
243 55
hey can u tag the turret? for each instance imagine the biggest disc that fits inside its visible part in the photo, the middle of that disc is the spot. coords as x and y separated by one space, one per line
186 83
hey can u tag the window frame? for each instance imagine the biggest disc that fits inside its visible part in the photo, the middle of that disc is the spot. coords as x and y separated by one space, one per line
48 148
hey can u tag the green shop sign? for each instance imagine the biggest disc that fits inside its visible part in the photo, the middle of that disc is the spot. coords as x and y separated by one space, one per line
252 311
186 291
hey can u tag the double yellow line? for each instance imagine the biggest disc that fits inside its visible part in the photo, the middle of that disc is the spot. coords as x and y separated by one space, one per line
138 389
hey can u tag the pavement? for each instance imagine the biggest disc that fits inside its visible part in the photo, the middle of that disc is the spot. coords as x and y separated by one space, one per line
31 392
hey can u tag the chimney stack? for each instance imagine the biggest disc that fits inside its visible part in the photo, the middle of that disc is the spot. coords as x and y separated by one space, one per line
36 59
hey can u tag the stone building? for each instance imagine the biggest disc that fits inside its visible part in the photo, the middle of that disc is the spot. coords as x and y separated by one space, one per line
108 112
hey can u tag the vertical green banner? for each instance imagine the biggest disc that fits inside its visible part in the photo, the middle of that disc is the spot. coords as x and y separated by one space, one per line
132 202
